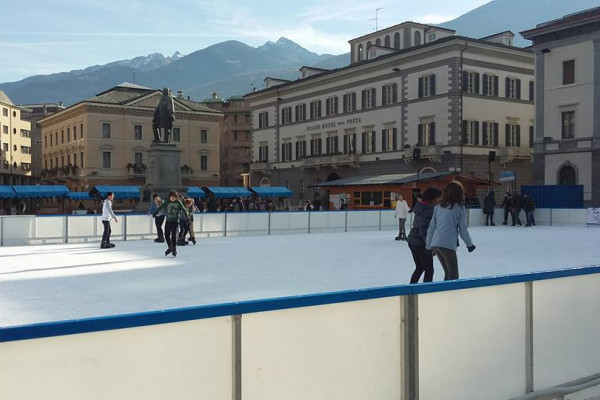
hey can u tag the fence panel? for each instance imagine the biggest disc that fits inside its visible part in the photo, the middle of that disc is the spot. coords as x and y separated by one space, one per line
363 220
18 230
82 228
569 217
389 222
289 222
247 223
213 224
327 221
139 226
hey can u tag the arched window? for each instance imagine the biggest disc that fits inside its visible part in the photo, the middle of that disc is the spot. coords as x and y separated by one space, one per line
567 176
397 41
417 38
387 41
378 42
368 45
264 182
360 53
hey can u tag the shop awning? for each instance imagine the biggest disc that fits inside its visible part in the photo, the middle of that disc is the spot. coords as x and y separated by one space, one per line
79 196
227 192
195 192
40 191
272 191
120 192
7 192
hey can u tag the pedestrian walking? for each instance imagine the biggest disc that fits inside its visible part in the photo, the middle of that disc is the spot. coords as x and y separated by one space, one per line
423 212
449 220
107 215
159 219
401 213
489 203
172 208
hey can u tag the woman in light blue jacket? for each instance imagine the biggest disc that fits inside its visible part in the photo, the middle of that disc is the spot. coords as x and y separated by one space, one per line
448 221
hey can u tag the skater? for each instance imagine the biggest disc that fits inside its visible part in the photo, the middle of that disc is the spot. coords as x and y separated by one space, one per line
529 207
448 221
173 208
423 211
489 203
401 214
159 219
107 215
515 208
191 208
506 205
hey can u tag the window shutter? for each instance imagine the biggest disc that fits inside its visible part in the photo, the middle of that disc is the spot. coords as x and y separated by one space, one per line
465 81
531 91
320 108
282 152
384 95
432 134
345 103
297 150
518 135
364 99
373 137
485 84
335 145
353 101
495 86
485 131
345 144
383 140
354 143
328 146
507 93
518 83
395 135
395 93
312 109
432 85
465 138
476 134
507 132
477 83
304 111
420 87
420 135
364 142
495 134
373 100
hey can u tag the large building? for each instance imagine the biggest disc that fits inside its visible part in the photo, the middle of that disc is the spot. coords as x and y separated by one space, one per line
415 98
33 114
15 144
236 143
103 140
567 148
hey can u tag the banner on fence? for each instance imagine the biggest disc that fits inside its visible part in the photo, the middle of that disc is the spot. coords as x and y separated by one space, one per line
593 216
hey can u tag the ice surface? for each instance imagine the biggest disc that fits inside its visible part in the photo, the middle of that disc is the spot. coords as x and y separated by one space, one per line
72 281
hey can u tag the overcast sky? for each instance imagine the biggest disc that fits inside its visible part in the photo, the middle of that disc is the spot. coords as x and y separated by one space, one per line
49 36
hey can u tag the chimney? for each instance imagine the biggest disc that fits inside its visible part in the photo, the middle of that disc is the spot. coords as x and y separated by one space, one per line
60 104
179 94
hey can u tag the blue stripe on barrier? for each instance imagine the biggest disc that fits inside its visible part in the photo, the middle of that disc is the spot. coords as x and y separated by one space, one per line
61 328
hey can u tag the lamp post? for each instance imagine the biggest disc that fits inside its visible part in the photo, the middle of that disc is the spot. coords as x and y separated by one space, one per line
461 133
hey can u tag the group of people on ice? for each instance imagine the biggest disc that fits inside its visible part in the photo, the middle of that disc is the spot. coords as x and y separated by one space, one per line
513 203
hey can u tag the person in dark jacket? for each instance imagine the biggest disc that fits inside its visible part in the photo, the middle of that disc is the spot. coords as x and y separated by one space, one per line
506 203
529 207
489 203
423 211
515 208
173 208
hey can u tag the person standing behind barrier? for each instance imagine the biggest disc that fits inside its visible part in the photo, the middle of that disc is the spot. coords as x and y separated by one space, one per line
448 221
423 211
107 215
489 203
515 208
529 207
506 204
159 219
173 208
401 214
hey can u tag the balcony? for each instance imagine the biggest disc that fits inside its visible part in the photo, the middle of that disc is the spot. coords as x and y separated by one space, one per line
136 170
71 171
332 160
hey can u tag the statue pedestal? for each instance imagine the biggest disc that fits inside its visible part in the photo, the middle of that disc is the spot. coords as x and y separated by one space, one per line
163 173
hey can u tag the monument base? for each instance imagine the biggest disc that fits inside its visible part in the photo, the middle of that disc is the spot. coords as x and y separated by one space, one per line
163 173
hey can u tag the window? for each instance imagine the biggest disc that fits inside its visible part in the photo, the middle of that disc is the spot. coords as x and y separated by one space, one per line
286 115
316 147
568 125
417 38
387 41
247 118
81 158
81 131
331 146
427 86
470 130
263 119
300 112
137 132
349 102
176 134
568 72
350 143
300 149
389 139
4 128
431 37
490 85
360 52
106 159
25 133
203 163
331 106
56 137
263 152
489 134
26 166
286 151
368 142
426 133
370 198
470 82
301 187
389 94
315 109
138 159
531 134
105 130
368 98
68 159
513 135
235 119
46 140
75 132
5 112
397 40
68 135
378 42
62 137
531 91
567 176
25 149
508 41
513 88
203 136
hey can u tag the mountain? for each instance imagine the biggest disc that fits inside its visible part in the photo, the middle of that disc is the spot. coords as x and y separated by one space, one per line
514 15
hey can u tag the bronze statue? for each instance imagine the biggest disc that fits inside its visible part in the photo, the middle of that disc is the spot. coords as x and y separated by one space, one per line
164 115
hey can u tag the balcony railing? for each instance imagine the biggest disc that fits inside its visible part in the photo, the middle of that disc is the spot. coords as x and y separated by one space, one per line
331 160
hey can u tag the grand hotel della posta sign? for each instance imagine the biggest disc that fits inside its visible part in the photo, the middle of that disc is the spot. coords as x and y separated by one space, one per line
334 124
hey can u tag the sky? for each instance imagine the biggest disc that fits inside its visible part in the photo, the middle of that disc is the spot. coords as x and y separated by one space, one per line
50 36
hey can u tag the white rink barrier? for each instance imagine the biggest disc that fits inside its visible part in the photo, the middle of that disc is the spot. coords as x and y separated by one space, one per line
31 229
491 338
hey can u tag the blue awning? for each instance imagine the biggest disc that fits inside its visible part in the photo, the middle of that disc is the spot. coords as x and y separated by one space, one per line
228 192
195 192
7 192
40 191
272 191
120 192
79 196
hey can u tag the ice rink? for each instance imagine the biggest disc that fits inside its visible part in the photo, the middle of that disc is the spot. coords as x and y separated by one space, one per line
73 281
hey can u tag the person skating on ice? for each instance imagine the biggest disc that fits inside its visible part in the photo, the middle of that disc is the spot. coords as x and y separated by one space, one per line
402 214
107 215
159 219
173 209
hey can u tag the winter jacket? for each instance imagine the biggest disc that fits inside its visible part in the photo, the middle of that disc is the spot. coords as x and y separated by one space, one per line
422 217
172 210
107 211
489 203
401 209
506 203
529 204
446 224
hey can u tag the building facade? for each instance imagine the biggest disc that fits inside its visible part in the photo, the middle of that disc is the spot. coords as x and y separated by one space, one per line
438 103
235 138
15 144
34 113
103 140
567 145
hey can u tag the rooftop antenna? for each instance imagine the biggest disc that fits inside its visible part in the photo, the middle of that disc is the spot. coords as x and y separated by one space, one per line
376 19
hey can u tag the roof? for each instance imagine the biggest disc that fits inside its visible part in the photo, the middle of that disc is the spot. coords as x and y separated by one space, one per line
272 191
227 192
7 192
40 191
120 192
195 192
5 99
397 179
389 28
498 34
79 196
576 19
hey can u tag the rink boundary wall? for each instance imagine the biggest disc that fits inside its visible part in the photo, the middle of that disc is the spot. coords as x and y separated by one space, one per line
99 324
